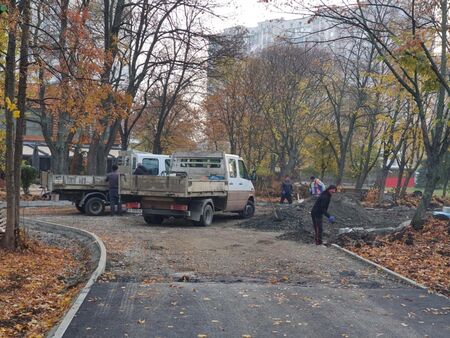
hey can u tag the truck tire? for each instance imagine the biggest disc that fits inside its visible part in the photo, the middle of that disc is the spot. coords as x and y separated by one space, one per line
94 206
207 216
249 210
80 208
153 219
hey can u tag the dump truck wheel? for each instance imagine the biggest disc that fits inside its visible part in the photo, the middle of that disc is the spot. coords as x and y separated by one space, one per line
80 208
249 210
207 216
94 206
153 219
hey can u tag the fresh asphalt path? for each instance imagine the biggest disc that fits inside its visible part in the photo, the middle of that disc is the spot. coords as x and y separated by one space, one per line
249 309
241 283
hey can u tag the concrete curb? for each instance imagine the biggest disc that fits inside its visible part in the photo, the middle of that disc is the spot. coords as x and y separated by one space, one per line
386 270
380 267
97 249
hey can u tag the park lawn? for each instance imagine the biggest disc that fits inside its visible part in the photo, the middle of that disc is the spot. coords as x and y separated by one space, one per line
423 256
34 293
437 192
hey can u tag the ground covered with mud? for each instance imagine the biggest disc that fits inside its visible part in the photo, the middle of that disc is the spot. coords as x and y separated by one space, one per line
295 219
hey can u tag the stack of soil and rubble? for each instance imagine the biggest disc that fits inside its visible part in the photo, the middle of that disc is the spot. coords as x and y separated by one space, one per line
296 220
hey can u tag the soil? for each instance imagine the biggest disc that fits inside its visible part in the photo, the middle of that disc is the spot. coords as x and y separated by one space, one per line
295 219
222 252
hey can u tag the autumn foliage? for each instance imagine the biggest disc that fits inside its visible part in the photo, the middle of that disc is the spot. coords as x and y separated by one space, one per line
34 292
423 256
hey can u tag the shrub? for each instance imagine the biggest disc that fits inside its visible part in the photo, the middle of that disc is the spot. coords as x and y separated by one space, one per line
28 175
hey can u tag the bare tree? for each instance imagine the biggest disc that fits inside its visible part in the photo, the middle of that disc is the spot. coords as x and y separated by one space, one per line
407 36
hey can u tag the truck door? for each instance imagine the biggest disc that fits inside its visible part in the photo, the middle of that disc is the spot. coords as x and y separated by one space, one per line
238 190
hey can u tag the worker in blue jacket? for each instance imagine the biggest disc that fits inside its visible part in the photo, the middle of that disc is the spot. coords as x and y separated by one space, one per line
286 190
319 210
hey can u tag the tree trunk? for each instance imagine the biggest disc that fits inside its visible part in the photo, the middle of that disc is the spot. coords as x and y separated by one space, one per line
361 180
381 183
101 159
419 216
9 240
60 159
157 148
21 102
409 175
92 155
341 168
444 188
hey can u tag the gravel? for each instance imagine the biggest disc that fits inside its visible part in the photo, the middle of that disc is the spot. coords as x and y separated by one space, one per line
223 252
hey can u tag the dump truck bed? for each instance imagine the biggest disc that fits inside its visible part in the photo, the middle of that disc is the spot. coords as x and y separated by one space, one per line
171 186
192 174
54 182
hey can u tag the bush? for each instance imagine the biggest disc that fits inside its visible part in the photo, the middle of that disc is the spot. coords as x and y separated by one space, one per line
27 176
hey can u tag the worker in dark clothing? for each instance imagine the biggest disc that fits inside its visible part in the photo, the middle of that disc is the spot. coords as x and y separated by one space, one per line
320 209
140 170
286 190
113 184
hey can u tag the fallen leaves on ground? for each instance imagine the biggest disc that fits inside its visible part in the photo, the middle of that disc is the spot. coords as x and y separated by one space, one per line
23 197
423 256
33 291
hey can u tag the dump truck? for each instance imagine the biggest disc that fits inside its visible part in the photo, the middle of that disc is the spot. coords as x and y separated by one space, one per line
190 185
197 185
90 193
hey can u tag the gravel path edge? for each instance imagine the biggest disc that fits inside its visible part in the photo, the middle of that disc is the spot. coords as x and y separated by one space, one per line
98 253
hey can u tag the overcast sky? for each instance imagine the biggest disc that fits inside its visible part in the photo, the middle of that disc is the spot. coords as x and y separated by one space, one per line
249 12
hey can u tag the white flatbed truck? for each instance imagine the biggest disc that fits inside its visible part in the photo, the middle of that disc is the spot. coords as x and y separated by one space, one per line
197 185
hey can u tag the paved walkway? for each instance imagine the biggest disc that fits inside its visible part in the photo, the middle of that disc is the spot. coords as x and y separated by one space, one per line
241 282
242 309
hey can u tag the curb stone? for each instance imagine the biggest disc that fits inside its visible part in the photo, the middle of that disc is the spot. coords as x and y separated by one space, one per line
387 271
98 251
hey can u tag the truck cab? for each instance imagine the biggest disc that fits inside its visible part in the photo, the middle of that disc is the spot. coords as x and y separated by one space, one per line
156 164
240 186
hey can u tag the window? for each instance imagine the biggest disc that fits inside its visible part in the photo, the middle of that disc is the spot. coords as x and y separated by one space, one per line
134 163
232 168
167 164
152 165
243 170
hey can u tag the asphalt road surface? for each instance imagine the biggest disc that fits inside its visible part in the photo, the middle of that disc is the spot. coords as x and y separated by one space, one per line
177 280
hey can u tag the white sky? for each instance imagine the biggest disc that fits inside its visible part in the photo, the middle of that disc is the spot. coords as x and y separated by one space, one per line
249 12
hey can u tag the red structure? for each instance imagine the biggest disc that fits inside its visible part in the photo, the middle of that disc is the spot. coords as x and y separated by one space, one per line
391 182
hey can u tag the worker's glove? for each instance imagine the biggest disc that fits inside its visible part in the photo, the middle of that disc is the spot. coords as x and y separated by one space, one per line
331 219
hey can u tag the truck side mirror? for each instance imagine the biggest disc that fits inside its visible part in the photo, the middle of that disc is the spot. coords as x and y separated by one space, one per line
253 176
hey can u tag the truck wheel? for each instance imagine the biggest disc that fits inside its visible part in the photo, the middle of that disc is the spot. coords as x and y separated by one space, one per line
249 210
80 208
153 219
94 206
207 216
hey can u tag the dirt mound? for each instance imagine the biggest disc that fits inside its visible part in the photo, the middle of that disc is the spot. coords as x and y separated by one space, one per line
296 220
